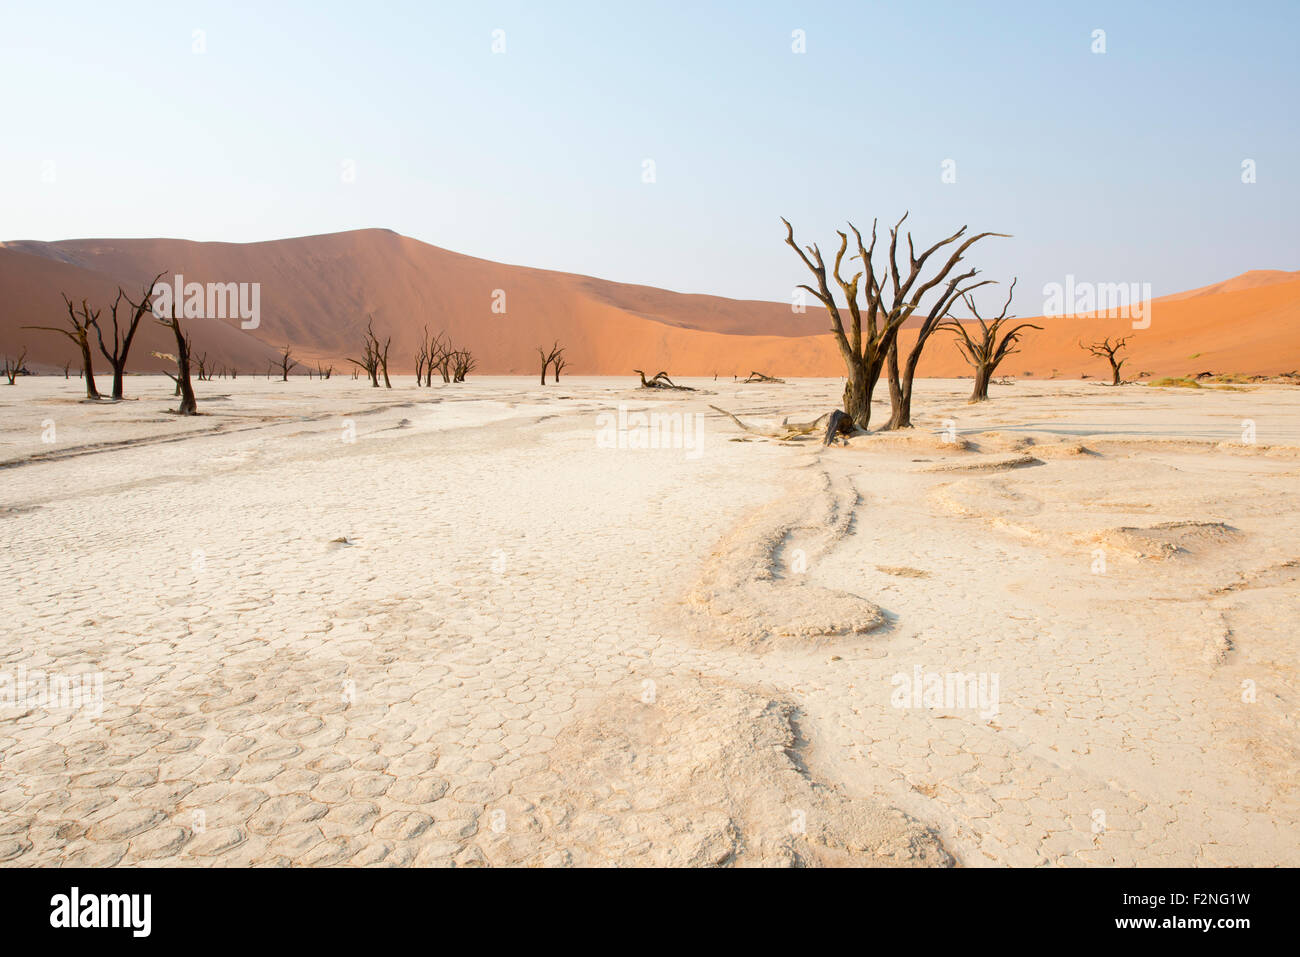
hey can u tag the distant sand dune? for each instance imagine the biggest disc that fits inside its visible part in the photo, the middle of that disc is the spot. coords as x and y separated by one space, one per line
318 290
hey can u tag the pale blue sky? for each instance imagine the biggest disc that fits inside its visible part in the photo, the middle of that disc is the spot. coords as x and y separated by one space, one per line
1116 167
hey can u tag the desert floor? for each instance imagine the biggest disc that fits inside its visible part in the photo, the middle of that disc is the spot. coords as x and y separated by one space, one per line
471 625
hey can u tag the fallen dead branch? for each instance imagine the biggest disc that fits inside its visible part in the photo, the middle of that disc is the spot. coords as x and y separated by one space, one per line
661 381
788 430
839 424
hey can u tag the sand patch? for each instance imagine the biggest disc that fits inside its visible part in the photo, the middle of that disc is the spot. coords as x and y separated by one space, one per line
910 440
977 498
704 773
902 571
753 591
1062 450
983 463
1168 539
1003 442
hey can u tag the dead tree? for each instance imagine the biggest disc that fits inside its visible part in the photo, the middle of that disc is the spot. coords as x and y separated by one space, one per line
79 334
985 351
434 354
900 382
324 372
443 354
433 349
286 363
549 358
122 339
892 296
757 377
661 381
439 357
838 424
788 430
202 363
1109 351
13 367
422 357
462 364
370 356
184 387
558 365
66 367
381 354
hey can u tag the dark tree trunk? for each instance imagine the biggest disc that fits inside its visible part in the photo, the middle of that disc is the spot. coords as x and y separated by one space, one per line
1114 369
189 405
899 417
982 375
118 371
88 370
857 395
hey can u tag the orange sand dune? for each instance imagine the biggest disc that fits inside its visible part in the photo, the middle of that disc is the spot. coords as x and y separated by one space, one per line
30 288
316 292
1250 279
1253 330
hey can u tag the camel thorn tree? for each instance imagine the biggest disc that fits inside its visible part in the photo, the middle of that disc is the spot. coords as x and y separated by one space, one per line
287 362
438 357
79 334
14 366
986 351
555 354
891 297
184 387
122 340
462 364
422 357
373 357
661 381
1110 352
